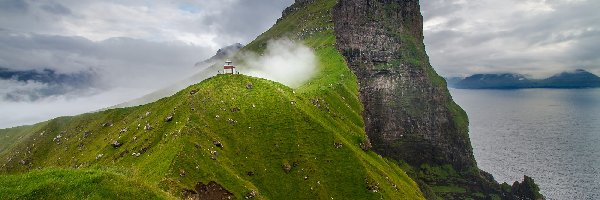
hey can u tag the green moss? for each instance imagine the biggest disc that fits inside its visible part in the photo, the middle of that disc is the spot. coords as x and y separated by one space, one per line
460 119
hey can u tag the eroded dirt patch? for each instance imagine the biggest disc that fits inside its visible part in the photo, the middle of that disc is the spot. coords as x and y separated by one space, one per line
210 191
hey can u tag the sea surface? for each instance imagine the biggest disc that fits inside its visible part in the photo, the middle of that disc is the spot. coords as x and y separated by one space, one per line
551 135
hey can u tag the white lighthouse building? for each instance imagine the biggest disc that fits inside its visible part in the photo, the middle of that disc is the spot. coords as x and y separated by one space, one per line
228 68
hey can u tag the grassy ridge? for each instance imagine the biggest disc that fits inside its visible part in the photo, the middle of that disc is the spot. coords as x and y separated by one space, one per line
75 184
246 134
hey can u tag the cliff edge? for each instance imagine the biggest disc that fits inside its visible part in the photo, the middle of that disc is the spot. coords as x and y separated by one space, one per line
409 114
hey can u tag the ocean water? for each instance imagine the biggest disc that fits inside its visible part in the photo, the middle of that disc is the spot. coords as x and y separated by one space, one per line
552 135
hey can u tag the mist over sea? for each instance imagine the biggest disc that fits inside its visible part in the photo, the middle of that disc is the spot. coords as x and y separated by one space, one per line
552 135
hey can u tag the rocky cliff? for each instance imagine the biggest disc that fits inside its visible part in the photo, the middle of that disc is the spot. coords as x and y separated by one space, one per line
409 114
408 110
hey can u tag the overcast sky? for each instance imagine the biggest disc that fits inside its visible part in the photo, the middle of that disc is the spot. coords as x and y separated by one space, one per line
113 51
536 37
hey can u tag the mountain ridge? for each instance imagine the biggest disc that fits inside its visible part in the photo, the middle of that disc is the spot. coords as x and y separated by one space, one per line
569 80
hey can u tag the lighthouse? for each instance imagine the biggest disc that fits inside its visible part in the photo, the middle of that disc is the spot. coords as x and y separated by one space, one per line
228 68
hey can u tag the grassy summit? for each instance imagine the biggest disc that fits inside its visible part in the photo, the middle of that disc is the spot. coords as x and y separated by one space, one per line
249 137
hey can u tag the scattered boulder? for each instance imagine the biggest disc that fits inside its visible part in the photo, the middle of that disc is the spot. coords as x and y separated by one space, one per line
57 139
107 124
337 145
86 134
249 86
231 121
286 167
24 162
235 110
218 144
251 194
123 130
169 118
193 92
365 145
147 127
148 113
213 155
116 144
136 154
372 185
99 156
181 172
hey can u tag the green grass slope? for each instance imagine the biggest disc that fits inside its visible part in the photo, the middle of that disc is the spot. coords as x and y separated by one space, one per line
75 184
12 136
253 137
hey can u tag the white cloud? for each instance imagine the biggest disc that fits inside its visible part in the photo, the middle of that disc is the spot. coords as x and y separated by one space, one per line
20 113
283 61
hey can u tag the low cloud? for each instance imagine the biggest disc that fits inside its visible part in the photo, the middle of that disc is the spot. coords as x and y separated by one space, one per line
284 61
23 112
113 62
539 38
47 76
122 50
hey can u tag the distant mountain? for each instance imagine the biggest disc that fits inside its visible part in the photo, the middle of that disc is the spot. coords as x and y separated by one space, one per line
31 85
575 79
572 79
222 54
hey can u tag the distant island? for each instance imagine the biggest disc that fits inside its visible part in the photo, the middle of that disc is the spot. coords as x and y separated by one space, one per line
570 79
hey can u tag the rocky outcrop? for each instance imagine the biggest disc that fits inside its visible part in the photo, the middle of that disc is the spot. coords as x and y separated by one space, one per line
409 114
221 55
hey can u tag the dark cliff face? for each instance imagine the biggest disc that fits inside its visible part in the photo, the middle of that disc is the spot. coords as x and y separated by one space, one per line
409 114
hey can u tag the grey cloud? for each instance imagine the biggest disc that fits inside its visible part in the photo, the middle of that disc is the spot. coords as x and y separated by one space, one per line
14 6
56 8
537 43
112 63
243 20
443 8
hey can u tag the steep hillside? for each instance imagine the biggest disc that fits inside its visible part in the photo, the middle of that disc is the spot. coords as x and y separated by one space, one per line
230 136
